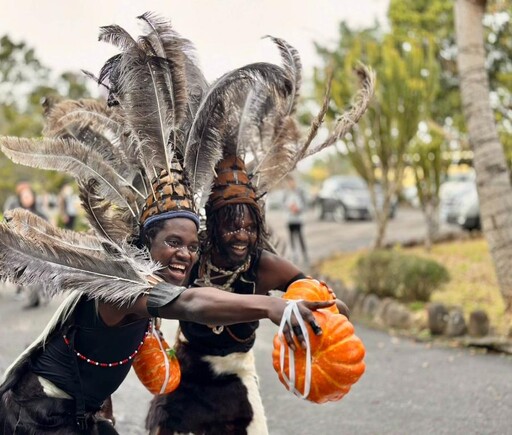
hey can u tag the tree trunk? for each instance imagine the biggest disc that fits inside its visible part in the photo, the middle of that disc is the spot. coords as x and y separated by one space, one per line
381 216
431 214
493 179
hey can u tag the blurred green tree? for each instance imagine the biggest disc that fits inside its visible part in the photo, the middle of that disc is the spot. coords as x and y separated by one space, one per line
407 77
429 164
24 82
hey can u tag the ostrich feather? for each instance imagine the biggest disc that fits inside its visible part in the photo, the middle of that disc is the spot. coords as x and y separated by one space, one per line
72 157
270 135
116 36
97 127
170 44
33 227
58 114
293 68
111 223
116 280
286 156
109 78
348 119
276 161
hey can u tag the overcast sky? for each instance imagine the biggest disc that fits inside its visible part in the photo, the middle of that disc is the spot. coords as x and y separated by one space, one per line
227 33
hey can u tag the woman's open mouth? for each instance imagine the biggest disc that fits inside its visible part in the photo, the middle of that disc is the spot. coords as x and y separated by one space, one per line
177 272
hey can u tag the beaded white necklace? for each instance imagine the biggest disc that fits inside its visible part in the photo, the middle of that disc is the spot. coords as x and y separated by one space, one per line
222 273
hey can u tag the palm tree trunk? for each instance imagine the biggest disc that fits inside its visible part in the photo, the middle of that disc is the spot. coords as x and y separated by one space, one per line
493 179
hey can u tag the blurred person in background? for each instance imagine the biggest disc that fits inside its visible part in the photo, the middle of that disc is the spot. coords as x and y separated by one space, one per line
26 198
295 205
67 206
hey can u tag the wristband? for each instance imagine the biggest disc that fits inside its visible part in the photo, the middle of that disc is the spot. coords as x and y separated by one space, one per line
160 295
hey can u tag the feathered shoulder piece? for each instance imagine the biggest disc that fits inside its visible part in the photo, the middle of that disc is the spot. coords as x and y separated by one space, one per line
33 252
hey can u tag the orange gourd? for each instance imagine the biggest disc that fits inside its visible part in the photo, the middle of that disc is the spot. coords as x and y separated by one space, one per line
336 357
310 289
150 365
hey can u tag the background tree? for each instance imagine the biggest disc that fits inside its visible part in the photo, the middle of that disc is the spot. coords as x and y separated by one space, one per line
428 162
24 82
378 146
493 178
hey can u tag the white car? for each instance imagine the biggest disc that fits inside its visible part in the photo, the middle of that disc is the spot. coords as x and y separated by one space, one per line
459 201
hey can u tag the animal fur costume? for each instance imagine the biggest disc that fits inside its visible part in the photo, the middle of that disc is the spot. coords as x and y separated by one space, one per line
250 125
127 158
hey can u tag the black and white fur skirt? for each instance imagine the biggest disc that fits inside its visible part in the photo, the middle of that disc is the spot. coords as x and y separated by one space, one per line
26 409
217 395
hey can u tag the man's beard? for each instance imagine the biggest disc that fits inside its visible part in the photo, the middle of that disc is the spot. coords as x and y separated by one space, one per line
227 258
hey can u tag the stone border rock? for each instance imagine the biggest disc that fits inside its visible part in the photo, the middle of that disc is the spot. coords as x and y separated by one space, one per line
442 323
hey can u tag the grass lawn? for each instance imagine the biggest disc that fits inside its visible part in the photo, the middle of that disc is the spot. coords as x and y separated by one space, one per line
472 285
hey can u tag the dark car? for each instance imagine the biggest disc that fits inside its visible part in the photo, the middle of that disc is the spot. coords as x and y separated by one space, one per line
345 197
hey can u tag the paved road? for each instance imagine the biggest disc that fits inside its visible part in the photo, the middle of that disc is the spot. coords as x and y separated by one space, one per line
408 388
324 238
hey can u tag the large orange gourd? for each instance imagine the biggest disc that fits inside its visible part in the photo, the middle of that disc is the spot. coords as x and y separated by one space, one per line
336 359
150 365
310 289
336 355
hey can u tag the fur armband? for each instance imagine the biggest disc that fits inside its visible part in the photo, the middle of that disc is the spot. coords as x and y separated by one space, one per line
162 294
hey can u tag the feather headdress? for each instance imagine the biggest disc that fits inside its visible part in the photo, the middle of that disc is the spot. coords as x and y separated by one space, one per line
128 159
247 119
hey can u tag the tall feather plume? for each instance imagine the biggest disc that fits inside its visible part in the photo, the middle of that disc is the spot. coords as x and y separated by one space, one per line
271 134
279 156
167 43
267 129
112 280
250 134
285 135
72 157
289 154
151 92
275 142
117 36
215 127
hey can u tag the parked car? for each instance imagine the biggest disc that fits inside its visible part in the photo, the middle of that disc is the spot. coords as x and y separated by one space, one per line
275 199
469 210
456 194
345 197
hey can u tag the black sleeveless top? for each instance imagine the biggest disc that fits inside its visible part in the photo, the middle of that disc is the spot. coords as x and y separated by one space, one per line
98 342
233 338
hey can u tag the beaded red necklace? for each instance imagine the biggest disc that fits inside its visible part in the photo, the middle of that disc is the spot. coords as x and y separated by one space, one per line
111 364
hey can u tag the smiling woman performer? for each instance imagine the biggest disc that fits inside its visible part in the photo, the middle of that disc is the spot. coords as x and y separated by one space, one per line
127 159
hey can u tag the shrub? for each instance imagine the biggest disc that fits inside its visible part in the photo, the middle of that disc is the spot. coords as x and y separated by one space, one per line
420 277
373 273
404 277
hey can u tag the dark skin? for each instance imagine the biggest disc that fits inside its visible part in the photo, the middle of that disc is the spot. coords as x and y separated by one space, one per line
237 240
172 247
